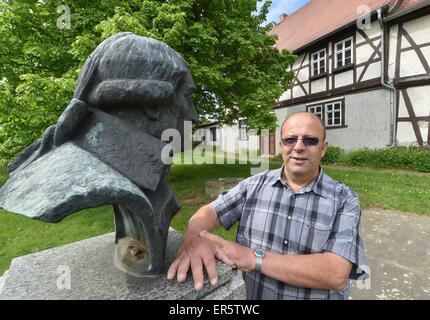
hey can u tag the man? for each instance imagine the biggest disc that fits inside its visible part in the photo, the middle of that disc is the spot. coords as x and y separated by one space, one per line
299 233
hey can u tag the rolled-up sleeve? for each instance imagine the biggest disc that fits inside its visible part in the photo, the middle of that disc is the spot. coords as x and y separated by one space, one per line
346 240
229 205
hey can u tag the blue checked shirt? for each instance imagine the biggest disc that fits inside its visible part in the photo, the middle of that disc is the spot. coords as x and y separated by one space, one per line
323 216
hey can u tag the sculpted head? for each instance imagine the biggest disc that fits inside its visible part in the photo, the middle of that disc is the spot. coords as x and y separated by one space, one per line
141 80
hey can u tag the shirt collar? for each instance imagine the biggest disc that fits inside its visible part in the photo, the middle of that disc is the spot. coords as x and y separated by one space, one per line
315 185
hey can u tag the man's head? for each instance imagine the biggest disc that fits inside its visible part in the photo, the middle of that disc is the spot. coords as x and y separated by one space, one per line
302 145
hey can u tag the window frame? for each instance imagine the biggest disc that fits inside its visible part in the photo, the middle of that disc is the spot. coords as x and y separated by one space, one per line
324 112
343 51
314 107
318 60
333 105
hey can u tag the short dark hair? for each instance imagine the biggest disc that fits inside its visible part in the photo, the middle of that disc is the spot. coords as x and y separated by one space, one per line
315 116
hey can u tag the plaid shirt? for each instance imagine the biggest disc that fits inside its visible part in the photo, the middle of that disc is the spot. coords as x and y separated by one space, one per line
323 216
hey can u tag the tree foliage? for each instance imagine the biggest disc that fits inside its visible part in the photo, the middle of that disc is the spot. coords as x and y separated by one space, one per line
237 70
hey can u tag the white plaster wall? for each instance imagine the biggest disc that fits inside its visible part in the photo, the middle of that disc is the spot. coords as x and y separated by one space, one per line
298 91
426 52
303 75
344 79
420 98
405 43
405 134
228 140
364 52
286 95
359 71
402 112
419 29
329 60
199 133
298 62
372 72
410 64
367 116
392 51
374 31
319 85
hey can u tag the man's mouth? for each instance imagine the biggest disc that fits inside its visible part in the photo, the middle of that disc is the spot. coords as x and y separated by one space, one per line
298 158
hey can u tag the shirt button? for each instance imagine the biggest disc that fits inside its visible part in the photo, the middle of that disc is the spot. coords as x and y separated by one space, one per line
285 242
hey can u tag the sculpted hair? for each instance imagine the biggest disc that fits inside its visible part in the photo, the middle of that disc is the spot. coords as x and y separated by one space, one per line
126 56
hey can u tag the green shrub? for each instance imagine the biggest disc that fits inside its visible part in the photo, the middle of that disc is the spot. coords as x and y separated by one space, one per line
333 155
414 158
278 157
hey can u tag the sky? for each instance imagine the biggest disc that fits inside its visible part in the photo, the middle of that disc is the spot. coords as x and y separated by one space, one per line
283 6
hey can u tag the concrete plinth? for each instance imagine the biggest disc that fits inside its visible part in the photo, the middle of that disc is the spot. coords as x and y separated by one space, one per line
85 270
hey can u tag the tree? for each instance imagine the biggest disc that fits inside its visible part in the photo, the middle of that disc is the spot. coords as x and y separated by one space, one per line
237 70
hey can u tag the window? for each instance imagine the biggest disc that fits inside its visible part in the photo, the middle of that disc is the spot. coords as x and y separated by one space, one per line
318 62
243 130
331 113
317 110
213 133
343 53
333 116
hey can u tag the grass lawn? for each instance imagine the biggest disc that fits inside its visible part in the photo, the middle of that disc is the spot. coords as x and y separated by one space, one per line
399 190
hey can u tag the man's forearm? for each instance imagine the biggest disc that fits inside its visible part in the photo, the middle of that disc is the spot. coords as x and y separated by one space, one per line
320 270
204 219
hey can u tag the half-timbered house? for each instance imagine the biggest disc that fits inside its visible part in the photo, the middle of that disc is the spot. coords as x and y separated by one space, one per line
363 67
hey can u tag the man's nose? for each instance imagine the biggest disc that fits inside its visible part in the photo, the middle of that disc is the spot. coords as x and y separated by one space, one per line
299 145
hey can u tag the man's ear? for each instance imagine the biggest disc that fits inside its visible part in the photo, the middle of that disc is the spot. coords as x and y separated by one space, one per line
325 146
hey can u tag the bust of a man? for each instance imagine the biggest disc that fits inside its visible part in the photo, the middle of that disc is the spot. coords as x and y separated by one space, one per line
106 149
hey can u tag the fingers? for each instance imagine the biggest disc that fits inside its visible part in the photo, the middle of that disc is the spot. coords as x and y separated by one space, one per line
184 265
222 256
197 269
212 237
173 269
210 266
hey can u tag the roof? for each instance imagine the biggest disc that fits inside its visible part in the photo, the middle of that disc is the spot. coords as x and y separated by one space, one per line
319 18
407 5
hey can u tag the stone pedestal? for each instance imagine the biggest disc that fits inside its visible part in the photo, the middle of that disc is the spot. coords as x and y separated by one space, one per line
85 270
215 187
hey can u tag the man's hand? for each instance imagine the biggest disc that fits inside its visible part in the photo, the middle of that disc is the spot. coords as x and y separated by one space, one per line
197 252
233 254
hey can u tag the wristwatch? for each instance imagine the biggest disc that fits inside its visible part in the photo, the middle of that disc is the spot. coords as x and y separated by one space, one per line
259 254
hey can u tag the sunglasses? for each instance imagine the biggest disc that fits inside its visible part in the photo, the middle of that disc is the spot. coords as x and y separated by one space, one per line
307 141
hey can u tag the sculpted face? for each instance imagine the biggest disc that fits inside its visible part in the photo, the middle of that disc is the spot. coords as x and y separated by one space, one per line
301 161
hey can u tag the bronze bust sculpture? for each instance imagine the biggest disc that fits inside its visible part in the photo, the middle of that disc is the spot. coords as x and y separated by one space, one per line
106 149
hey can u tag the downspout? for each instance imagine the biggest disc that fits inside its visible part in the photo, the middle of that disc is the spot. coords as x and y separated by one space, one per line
387 85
